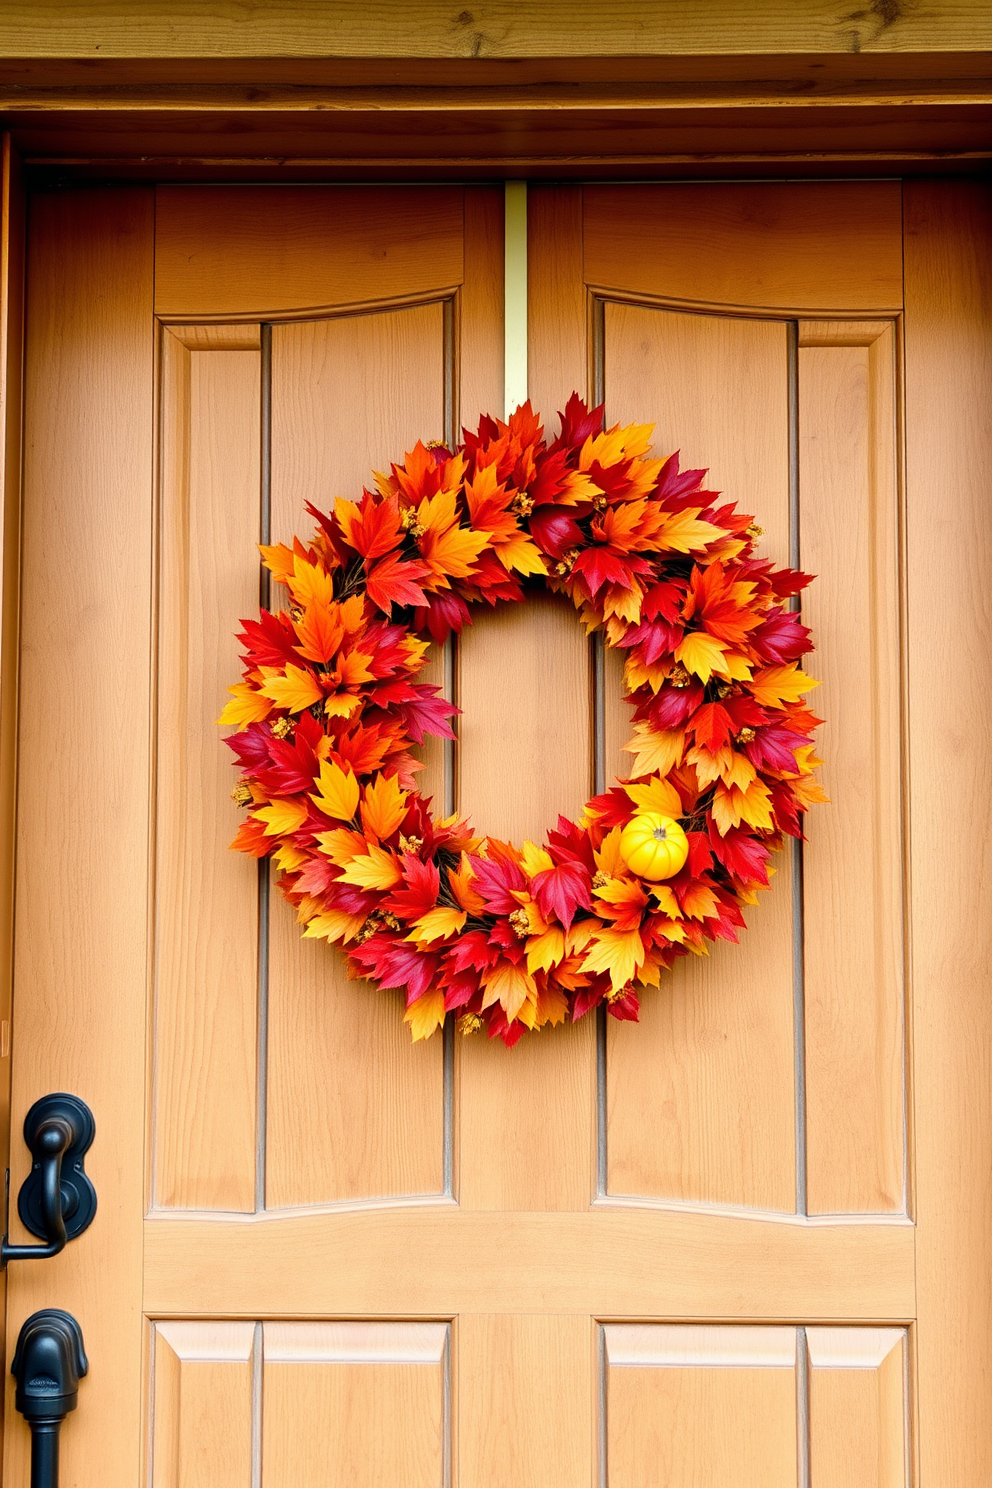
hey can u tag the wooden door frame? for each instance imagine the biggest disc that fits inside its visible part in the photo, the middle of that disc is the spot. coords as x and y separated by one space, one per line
699 118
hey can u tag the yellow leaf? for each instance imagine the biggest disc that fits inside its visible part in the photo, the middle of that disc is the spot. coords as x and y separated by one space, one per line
624 604
246 706
337 791
334 924
701 653
736 668
289 858
341 705
293 689
383 806
684 533
776 685
374 869
424 1015
547 950
655 794
667 902
341 845
657 751
552 1006
650 973
620 952
282 818
521 554
731 806
310 583
510 986
437 924
609 859
534 859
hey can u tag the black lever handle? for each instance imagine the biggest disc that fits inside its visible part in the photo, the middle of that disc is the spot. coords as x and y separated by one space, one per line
49 1362
57 1201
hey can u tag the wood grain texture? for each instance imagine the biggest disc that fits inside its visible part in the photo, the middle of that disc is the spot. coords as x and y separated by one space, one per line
253 252
81 961
202 1435
858 1410
802 247
557 310
949 563
852 901
701 1092
526 1134
479 384
711 1408
551 28
207 901
355 1111
605 1262
365 1415
12 233
525 1400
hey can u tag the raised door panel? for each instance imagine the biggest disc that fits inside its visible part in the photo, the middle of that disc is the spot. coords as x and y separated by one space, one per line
858 1407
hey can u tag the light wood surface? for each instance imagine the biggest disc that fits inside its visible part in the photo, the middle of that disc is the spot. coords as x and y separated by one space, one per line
801 247
12 230
203 1405
949 563
558 332
355 1111
858 1407
368 1262
849 537
525 1406
684 1407
551 28
362 1414
205 1114
249 252
81 961
701 1095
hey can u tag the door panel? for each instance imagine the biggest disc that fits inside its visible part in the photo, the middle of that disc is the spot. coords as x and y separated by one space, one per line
682 1252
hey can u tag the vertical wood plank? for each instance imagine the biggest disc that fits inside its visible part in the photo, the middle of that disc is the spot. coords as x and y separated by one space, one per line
12 230
557 335
526 1136
852 899
949 563
480 359
207 934
701 1103
857 1407
203 1405
81 960
525 1400
702 1406
348 396
361 1404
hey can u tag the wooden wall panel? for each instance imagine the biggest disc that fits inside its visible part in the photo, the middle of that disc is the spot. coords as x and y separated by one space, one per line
701 1405
525 754
858 1407
81 958
525 1400
479 384
701 1092
949 564
557 300
256 251
355 1111
357 1404
203 1404
795 246
852 863
207 902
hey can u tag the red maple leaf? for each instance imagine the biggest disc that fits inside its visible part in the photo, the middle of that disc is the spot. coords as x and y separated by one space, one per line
393 581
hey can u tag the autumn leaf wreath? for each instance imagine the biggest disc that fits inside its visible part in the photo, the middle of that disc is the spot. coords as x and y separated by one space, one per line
328 713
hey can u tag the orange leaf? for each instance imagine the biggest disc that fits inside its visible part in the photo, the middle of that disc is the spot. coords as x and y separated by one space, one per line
383 807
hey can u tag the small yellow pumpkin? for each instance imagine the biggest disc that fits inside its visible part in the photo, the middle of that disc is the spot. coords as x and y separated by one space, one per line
654 846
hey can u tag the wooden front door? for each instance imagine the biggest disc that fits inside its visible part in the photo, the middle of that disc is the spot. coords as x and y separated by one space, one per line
743 1243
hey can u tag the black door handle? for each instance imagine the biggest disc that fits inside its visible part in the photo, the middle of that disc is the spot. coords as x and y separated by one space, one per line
49 1362
57 1201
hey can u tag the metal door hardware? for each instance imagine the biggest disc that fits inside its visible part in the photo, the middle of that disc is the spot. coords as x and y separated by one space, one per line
57 1201
48 1364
